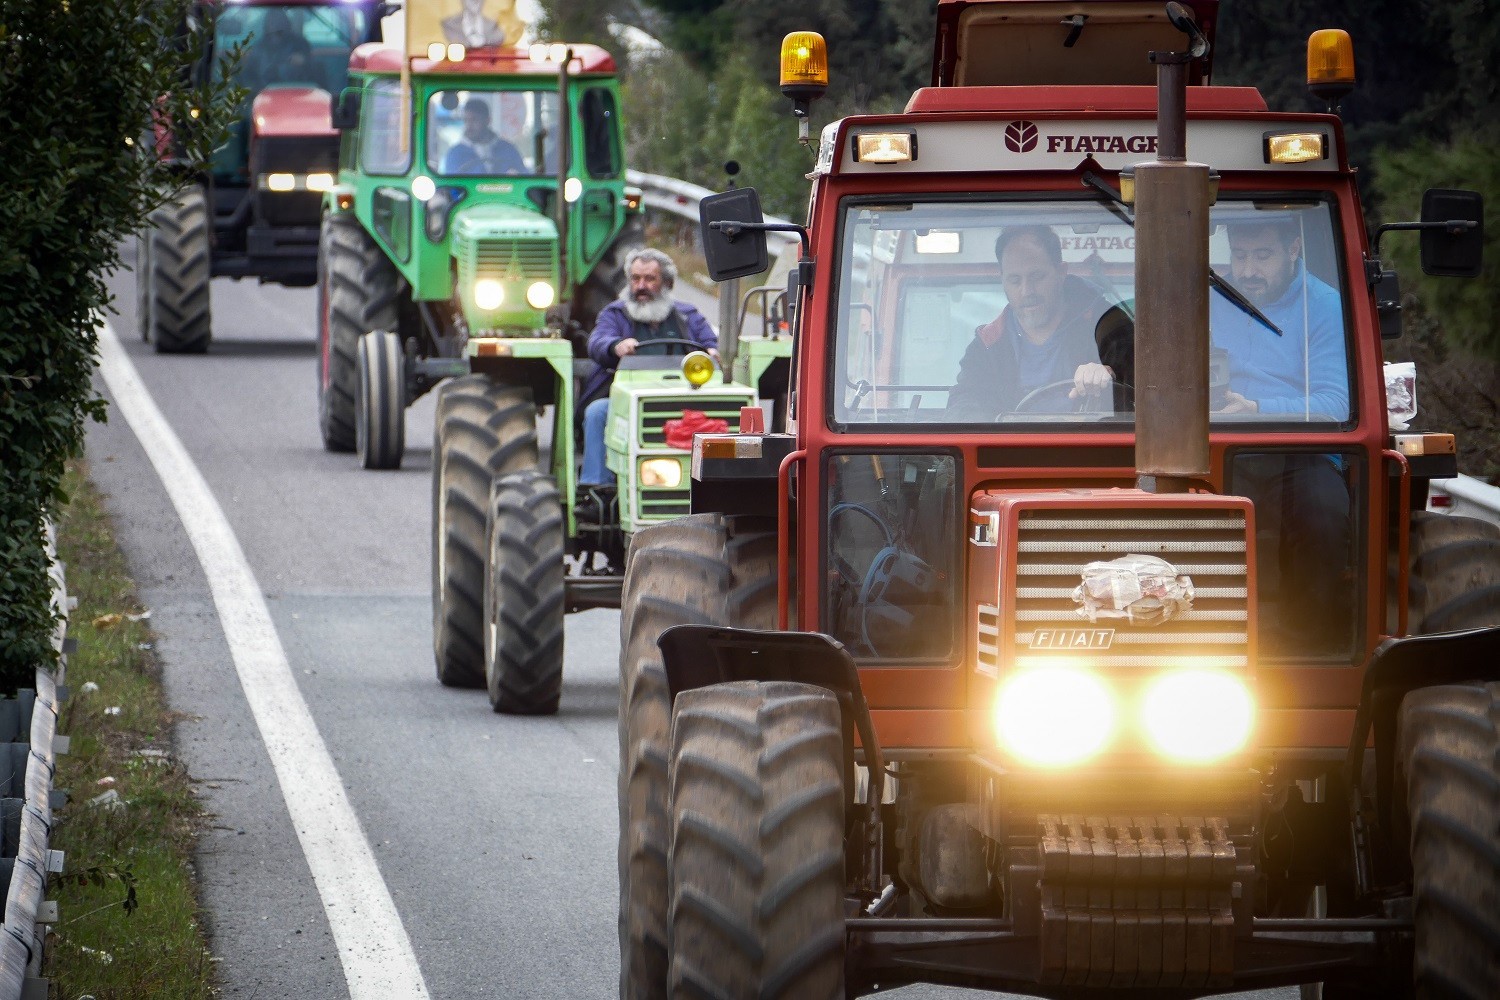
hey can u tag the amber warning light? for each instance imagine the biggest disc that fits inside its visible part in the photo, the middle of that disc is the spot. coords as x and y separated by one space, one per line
1330 64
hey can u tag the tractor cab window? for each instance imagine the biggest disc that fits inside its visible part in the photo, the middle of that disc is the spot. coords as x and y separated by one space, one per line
601 133
486 133
381 129
299 45
1015 315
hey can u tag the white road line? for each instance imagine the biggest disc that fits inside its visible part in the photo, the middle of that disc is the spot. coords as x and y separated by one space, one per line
377 955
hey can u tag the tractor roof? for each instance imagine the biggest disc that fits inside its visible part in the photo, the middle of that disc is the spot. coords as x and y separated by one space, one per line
1041 42
288 3
376 57
1030 100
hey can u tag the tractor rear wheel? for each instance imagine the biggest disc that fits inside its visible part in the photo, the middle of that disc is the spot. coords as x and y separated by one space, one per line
1448 766
484 430
1455 573
703 569
174 301
523 595
757 863
380 413
358 291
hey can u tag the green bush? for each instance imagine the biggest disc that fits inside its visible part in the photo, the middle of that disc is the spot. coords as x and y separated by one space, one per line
79 84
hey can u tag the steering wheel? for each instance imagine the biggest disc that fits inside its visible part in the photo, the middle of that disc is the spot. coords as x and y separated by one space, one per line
1079 405
692 345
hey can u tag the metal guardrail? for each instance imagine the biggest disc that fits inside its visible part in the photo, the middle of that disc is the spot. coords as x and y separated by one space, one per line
23 931
1466 496
679 197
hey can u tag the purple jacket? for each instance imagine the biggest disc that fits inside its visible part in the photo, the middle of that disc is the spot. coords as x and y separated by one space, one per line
615 324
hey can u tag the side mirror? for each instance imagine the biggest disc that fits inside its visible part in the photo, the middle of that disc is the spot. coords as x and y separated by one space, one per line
729 251
1454 245
345 109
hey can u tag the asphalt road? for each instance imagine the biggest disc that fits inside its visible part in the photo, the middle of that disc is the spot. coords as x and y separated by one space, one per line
495 834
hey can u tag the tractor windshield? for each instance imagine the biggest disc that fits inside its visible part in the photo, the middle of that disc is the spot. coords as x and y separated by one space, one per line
486 133
295 45
1019 314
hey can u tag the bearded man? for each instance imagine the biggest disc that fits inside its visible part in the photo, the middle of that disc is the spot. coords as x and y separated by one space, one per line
645 312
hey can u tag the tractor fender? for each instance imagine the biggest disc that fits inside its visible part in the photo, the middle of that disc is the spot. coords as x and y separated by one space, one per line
1398 667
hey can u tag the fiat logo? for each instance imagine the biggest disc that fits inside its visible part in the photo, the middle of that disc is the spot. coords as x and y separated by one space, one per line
1020 137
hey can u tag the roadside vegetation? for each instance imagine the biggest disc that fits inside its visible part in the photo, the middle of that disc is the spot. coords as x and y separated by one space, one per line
128 925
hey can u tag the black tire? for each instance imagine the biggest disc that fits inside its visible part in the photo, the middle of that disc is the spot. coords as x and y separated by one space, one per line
523 595
143 284
757 864
484 430
1448 760
1455 573
177 319
380 410
359 290
704 569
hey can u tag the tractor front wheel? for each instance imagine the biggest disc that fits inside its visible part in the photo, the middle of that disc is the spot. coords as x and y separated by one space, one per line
1448 761
523 595
380 413
757 864
484 430
173 278
702 569
358 291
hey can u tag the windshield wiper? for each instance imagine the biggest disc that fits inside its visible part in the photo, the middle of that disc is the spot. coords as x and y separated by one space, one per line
1236 297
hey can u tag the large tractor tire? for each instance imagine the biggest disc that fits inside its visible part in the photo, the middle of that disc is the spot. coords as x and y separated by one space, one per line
172 280
523 595
380 406
1455 573
704 569
757 864
359 290
484 430
1448 766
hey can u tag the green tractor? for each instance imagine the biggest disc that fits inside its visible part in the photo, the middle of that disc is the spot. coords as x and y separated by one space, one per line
480 222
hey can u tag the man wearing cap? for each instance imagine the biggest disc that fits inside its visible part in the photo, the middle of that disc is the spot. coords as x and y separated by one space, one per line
1044 336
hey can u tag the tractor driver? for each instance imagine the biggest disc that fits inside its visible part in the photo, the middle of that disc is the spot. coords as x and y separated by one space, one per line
280 55
645 311
1044 336
1297 374
481 151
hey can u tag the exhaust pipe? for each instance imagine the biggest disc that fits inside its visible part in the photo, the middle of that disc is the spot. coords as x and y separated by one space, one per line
1172 199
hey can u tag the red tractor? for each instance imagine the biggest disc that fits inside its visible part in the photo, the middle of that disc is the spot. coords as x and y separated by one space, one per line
256 212
1085 634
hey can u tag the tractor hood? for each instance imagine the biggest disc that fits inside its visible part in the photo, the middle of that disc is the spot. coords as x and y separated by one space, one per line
473 223
506 260
292 111
1000 43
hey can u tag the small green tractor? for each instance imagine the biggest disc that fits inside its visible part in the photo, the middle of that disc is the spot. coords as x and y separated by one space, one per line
479 223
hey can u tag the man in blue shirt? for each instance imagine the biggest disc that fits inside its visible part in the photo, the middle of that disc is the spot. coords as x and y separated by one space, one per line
1300 374
481 152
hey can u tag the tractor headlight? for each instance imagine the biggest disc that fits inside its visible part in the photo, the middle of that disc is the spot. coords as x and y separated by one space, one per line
1053 716
698 368
540 295
489 294
661 473
319 182
1198 716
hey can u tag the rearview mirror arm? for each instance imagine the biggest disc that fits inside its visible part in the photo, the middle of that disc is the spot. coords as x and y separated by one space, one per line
732 231
1451 226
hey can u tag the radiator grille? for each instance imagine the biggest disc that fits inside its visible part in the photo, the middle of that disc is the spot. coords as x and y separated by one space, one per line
657 410
511 260
1209 546
663 505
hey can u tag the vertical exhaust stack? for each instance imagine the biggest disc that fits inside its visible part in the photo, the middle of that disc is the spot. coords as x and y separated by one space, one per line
1172 199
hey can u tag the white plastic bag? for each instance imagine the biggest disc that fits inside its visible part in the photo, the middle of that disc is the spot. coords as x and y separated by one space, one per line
1400 393
1143 589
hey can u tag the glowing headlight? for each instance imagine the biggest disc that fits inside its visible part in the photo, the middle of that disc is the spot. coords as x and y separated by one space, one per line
1053 716
1198 716
572 189
698 368
319 182
423 187
663 473
488 294
281 182
540 295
